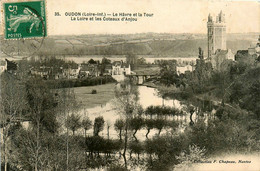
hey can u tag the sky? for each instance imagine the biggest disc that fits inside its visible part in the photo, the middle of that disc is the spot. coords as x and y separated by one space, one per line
169 16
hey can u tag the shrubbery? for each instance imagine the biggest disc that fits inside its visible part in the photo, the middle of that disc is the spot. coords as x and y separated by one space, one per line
94 91
98 144
90 81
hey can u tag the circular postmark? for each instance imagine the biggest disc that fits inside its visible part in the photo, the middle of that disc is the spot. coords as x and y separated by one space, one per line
25 31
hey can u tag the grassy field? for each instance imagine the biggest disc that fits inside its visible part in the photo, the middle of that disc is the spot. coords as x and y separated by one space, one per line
104 94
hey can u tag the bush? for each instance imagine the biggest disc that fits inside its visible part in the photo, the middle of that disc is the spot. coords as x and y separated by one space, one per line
136 147
65 83
94 91
98 125
117 168
160 124
99 144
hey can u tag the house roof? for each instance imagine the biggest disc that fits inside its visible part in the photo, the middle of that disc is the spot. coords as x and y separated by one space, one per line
88 68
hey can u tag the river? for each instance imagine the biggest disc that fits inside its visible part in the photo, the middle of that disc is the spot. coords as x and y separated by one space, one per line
147 96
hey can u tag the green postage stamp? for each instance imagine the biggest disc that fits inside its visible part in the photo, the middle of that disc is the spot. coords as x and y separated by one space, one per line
24 19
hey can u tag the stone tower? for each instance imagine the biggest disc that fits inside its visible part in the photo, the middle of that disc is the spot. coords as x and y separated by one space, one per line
216 34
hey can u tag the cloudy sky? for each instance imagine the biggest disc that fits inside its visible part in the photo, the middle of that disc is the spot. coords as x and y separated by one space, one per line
169 16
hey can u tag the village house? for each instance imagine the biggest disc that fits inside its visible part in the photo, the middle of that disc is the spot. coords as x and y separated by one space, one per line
71 71
56 72
184 69
116 68
84 71
89 70
125 69
121 68
43 72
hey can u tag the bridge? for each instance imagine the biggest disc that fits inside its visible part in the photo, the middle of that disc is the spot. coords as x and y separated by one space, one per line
139 79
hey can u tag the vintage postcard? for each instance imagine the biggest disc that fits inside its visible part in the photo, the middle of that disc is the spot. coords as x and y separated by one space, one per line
129 85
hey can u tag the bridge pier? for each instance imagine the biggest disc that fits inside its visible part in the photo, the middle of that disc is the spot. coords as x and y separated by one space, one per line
139 79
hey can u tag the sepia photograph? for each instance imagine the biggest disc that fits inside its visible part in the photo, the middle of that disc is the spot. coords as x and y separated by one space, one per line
130 85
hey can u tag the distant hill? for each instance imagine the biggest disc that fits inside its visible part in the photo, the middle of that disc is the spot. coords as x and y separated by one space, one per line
175 45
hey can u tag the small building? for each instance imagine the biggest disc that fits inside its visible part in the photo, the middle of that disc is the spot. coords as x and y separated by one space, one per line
121 68
116 68
220 56
43 72
71 71
184 69
87 70
125 69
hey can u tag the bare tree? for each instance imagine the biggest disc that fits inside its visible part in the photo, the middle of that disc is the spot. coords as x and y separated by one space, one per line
127 106
67 105
11 106
42 104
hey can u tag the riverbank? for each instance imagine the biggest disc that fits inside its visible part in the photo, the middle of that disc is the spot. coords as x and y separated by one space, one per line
85 97
151 84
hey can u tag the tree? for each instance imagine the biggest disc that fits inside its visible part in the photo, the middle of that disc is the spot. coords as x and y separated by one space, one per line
159 124
86 124
104 62
136 147
98 125
31 145
191 109
12 105
168 72
136 124
119 126
201 76
108 126
149 123
141 61
131 59
67 104
92 61
73 122
254 97
126 104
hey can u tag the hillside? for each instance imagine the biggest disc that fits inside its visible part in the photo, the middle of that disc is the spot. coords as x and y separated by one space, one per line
175 45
